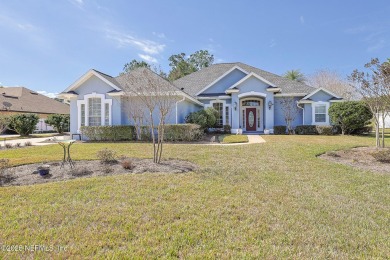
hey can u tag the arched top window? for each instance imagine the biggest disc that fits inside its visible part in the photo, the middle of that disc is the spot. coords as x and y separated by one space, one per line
251 103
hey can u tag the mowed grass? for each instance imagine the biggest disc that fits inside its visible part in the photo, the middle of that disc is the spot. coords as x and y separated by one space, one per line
272 200
230 139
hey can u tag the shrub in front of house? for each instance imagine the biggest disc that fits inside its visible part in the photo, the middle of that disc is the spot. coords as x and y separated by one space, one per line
109 133
362 130
23 124
350 115
306 130
106 156
206 118
182 132
227 129
59 122
324 129
280 130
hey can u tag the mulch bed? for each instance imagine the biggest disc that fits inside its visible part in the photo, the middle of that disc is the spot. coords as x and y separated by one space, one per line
27 174
360 157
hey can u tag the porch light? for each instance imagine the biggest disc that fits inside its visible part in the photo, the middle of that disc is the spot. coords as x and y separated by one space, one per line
270 104
235 105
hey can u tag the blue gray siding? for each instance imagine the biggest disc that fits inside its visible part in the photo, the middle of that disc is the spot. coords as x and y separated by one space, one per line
279 114
226 82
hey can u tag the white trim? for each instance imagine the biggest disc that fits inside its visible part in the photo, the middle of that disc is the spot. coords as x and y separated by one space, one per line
85 77
252 93
252 74
332 101
291 95
259 113
223 109
228 91
191 98
116 94
305 101
273 89
86 110
211 98
321 89
221 77
313 110
66 95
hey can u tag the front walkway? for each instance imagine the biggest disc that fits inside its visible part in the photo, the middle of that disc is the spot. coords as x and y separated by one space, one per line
33 141
252 139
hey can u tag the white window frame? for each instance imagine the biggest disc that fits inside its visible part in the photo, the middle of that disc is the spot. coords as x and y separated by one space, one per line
224 105
317 104
102 111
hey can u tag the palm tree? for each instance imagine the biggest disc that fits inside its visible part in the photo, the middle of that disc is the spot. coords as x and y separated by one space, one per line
295 75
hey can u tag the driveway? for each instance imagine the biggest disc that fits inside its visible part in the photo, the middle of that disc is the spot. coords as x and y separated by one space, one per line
34 141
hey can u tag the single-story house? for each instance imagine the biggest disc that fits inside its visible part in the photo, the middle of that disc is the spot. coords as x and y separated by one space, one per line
20 100
246 97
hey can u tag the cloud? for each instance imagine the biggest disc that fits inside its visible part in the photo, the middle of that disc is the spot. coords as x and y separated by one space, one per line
148 58
159 35
302 19
48 94
16 24
77 3
123 40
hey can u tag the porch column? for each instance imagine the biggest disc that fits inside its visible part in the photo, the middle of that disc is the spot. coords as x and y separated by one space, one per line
235 113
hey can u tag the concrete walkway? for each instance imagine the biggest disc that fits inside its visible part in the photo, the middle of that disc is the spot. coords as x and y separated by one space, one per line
252 139
34 141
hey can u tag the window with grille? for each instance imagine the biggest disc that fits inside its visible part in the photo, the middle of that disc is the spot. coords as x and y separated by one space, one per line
219 107
82 114
227 116
106 114
94 113
320 113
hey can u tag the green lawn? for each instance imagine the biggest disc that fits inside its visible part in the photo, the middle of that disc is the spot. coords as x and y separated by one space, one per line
230 139
272 200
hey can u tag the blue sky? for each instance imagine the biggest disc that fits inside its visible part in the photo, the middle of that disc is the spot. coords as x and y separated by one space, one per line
46 45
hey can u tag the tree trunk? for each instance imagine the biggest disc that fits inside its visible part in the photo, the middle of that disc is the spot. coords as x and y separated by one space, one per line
153 138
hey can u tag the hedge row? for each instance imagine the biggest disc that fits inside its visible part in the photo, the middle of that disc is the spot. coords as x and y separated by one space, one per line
173 133
309 130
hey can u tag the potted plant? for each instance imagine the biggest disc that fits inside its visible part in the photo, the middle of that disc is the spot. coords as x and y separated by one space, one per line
43 169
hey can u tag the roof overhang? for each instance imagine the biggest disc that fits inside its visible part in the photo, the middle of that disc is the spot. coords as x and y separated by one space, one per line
214 97
88 75
273 89
65 95
290 94
305 101
252 74
229 91
116 94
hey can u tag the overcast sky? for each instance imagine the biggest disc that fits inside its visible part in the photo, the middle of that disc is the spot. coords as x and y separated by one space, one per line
46 45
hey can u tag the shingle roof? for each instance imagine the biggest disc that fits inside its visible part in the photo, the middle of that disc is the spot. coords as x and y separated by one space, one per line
108 77
197 81
21 99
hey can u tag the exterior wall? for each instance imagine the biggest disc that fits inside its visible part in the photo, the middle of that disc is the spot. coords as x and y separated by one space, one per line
279 114
321 96
183 109
254 85
307 114
226 82
94 84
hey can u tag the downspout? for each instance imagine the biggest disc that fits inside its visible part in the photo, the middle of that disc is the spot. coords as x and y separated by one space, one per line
177 102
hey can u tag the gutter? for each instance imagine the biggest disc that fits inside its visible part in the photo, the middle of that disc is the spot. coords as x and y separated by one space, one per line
303 112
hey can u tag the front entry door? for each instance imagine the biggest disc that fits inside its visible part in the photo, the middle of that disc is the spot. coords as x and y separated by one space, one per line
251 119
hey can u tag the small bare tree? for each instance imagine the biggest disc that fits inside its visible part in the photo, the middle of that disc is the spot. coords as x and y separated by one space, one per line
154 98
333 82
375 90
135 109
290 111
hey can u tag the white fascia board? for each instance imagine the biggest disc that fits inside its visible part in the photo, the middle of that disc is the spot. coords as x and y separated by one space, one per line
332 101
116 94
252 74
305 101
273 89
321 89
216 97
85 77
185 95
291 95
66 95
221 77
228 91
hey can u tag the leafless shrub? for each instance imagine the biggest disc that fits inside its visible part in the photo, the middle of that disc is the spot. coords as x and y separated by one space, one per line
127 164
8 146
18 144
106 156
28 143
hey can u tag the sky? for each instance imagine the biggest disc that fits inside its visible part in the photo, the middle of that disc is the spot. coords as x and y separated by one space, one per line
47 45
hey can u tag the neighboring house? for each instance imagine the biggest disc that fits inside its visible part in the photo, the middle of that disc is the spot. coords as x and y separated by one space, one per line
19 100
247 98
